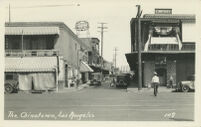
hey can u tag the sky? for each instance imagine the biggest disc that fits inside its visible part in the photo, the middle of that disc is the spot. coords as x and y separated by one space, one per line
116 13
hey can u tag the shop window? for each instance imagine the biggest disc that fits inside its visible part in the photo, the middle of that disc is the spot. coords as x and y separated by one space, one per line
13 42
9 77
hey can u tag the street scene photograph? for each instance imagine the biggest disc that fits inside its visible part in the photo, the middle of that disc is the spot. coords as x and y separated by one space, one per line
131 60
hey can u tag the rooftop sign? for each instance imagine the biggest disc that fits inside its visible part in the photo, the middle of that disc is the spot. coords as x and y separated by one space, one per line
82 26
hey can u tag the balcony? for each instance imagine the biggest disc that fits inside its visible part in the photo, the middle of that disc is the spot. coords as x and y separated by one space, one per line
163 47
20 53
188 47
168 44
171 47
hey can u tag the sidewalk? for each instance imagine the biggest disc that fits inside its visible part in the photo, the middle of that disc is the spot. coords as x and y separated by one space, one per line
160 90
82 86
72 89
66 90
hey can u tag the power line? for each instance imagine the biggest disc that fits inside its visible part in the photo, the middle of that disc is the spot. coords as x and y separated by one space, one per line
37 6
42 6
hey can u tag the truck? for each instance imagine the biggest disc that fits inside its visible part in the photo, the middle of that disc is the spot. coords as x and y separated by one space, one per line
123 79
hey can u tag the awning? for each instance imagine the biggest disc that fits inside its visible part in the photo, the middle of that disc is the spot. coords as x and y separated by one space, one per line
30 64
171 16
132 58
95 68
85 67
31 31
164 40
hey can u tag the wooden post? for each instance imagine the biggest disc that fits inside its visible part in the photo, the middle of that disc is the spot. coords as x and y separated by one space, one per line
9 14
57 83
139 56
139 50
102 27
22 44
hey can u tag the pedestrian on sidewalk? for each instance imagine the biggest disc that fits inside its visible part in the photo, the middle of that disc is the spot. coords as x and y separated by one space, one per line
171 82
155 82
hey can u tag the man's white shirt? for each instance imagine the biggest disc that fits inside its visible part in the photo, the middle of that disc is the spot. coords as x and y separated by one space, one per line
155 79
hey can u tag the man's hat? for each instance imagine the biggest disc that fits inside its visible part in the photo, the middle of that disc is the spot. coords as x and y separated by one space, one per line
155 73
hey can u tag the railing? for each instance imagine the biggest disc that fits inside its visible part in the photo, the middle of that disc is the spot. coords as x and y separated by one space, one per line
163 47
171 47
31 53
188 47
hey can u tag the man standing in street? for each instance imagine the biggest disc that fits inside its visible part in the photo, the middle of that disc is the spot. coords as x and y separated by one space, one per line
155 82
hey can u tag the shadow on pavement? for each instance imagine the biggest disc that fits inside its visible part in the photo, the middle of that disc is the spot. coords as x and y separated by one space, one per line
181 119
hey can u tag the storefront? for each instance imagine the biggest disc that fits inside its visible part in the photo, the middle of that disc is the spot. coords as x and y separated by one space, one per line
34 73
179 65
85 69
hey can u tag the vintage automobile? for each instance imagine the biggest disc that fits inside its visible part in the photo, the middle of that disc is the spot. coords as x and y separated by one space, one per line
96 79
11 82
123 80
187 85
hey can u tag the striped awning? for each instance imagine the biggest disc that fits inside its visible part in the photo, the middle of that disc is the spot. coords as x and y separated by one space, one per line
30 64
85 67
170 16
31 31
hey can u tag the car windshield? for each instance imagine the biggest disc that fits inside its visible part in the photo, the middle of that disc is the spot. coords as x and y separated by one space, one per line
191 78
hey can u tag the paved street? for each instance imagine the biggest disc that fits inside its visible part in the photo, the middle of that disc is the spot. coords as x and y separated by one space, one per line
101 104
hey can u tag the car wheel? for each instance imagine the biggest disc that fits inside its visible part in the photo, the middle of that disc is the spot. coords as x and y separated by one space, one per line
8 88
185 88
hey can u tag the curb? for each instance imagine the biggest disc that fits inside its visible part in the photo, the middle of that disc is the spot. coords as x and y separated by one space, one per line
66 90
83 86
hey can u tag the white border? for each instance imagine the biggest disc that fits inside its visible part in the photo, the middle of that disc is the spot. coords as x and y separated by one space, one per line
21 123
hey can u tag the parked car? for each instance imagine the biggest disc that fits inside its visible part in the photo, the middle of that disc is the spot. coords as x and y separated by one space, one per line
187 85
95 82
96 79
123 80
11 82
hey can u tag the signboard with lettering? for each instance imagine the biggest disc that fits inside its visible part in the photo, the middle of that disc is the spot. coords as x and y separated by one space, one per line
82 26
163 11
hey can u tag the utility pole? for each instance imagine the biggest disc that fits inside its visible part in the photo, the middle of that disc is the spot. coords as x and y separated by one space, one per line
115 57
9 13
139 48
22 44
102 28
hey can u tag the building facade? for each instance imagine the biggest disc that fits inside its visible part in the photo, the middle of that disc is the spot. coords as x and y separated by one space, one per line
30 43
85 69
93 54
167 46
